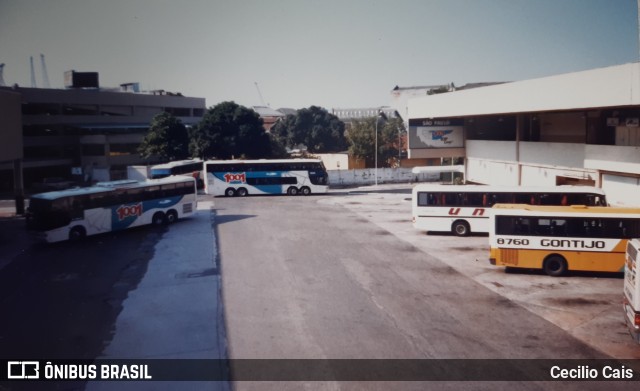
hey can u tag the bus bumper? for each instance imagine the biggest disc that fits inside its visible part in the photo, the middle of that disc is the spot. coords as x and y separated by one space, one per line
632 318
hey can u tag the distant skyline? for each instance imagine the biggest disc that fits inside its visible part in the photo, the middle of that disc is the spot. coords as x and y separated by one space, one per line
329 53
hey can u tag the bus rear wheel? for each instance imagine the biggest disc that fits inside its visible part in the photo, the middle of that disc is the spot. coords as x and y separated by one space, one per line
77 233
158 219
555 266
460 228
242 192
230 192
305 190
172 216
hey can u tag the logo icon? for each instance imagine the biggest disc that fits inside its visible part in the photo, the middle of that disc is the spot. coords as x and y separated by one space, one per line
131 210
237 177
23 370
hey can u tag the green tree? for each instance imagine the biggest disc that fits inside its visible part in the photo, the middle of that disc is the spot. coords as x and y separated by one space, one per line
315 128
362 140
229 130
167 139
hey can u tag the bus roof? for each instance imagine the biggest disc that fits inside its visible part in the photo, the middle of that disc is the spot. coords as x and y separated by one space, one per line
266 161
102 187
176 163
507 189
562 210
52 195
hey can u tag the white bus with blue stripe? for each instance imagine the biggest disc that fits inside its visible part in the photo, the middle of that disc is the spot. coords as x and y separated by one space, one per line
259 177
110 206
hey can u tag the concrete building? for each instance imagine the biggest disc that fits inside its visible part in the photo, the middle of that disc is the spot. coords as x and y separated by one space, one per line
86 133
576 128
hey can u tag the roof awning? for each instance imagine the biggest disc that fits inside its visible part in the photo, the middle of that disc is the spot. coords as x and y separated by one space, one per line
613 86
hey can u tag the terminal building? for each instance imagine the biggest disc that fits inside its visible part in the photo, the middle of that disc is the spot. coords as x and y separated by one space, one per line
580 128
83 132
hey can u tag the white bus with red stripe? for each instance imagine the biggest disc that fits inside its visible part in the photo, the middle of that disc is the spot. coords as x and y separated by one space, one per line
463 209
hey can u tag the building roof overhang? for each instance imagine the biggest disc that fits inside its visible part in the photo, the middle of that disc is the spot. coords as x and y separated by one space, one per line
613 86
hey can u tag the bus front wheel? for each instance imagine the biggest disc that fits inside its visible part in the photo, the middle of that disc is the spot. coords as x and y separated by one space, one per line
461 228
292 191
77 233
555 266
230 192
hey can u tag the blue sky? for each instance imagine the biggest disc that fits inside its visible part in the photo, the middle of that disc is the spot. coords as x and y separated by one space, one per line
330 53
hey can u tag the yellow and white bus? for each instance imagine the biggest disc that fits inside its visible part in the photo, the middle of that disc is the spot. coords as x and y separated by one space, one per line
631 304
465 209
561 238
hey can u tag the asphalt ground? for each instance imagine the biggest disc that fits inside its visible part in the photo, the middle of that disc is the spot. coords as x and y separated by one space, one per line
586 305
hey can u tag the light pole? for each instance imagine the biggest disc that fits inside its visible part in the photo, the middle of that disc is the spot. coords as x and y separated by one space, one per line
380 115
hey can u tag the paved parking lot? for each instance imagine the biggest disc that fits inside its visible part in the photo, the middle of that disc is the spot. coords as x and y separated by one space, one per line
587 305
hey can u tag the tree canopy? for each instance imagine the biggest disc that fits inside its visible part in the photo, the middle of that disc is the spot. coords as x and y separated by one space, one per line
166 139
229 130
315 128
361 137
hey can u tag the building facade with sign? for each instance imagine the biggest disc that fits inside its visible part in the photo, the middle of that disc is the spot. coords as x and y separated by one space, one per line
575 128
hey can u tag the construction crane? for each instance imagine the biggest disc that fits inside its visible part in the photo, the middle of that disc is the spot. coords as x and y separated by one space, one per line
33 73
1 75
45 76
260 94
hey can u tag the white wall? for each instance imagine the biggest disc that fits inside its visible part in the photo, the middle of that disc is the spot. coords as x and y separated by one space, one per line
334 161
138 173
492 150
492 172
613 158
620 190
495 163
366 176
552 154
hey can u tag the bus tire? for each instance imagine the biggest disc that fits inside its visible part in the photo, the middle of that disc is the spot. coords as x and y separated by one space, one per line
158 219
242 192
172 216
77 233
305 190
555 265
292 191
460 228
230 192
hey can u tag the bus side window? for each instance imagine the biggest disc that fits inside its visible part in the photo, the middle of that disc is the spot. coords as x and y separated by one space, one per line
593 228
169 190
433 199
423 199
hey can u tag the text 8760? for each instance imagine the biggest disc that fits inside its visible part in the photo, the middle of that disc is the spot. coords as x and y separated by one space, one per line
515 242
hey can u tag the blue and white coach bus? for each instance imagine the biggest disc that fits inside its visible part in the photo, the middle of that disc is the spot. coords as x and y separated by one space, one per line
283 176
192 167
110 206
